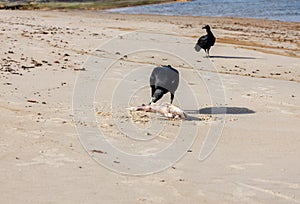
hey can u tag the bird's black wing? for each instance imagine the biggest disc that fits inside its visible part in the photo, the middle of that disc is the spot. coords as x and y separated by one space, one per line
153 77
165 77
212 40
201 43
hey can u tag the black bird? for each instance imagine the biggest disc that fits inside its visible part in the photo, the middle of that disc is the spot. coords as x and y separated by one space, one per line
205 42
163 79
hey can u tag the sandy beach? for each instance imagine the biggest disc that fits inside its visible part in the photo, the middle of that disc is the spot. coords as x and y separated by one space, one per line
67 74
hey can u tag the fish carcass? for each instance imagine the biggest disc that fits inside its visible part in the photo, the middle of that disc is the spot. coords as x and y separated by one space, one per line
166 109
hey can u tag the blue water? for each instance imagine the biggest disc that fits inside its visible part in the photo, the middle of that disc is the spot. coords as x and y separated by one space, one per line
283 10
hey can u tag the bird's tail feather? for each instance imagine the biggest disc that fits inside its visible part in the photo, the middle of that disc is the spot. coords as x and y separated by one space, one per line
197 48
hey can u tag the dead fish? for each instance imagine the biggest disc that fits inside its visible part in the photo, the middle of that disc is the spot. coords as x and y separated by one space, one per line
166 109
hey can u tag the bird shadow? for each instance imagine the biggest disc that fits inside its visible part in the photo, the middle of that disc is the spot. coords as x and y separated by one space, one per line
221 110
188 117
230 57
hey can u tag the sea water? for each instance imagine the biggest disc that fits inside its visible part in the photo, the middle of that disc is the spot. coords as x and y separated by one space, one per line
283 10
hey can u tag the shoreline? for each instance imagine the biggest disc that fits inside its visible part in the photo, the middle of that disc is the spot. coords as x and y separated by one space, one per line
262 18
87 5
263 35
242 31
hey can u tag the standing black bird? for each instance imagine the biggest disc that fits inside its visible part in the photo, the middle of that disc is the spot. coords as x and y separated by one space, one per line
206 42
163 79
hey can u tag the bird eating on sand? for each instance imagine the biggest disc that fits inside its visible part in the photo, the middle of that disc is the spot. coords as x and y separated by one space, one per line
205 42
163 79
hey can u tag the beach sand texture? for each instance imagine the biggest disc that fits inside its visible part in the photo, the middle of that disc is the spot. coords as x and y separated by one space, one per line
46 54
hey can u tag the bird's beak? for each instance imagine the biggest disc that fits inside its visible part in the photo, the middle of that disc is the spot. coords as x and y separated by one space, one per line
203 27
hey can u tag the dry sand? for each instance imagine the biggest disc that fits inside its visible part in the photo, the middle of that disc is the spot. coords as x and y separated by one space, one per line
45 54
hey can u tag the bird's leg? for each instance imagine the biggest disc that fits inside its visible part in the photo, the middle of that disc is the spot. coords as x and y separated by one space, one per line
152 93
205 50
172 97
152 90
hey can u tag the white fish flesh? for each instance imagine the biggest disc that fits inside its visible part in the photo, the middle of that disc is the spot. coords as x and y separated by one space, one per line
166 109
